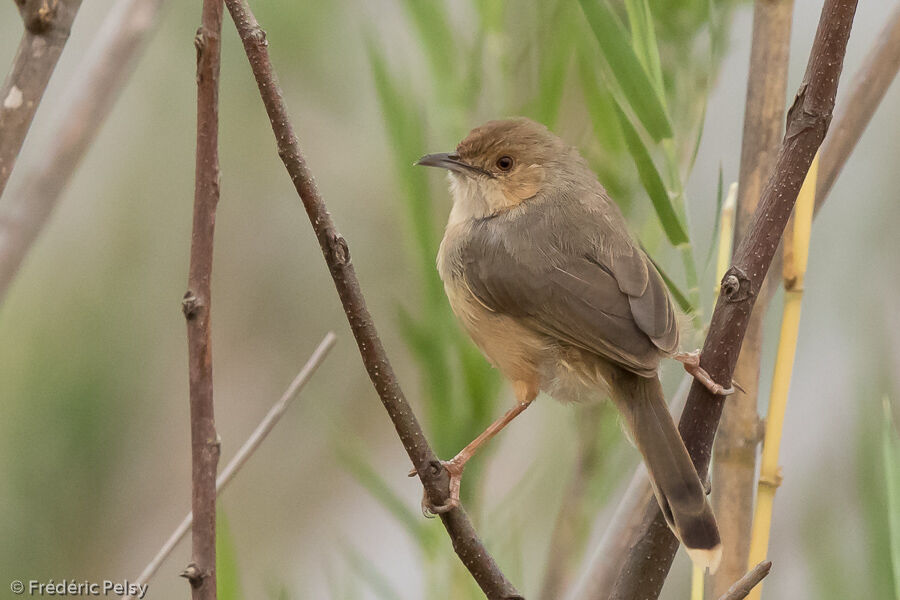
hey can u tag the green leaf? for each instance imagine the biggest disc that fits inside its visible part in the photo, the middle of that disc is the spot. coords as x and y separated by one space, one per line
363 472
377 582
600 107
890 444
652 181
643 40
626 69
436 38
227 580
406 134
720 199
553 64
680 297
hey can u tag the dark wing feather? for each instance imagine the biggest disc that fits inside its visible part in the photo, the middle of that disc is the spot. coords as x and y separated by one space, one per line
610 302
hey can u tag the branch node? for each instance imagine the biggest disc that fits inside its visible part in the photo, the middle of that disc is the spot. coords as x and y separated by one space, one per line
338 250
194 575
258 35
190 305
38 15
736 286
772 482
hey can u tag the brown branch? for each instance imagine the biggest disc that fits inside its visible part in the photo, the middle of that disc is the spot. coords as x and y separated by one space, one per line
201 572
734 468
243 454
853 115
649 560
750 580
337 255
84 106
47 25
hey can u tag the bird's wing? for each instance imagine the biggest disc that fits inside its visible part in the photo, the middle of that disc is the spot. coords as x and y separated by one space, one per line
581 287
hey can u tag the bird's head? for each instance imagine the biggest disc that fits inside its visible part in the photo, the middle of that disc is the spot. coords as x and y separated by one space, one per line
503 163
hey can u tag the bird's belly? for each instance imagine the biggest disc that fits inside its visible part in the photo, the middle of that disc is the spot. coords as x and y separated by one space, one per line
514 349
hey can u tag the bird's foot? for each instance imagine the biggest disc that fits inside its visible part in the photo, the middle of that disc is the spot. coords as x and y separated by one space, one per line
455 468
691 362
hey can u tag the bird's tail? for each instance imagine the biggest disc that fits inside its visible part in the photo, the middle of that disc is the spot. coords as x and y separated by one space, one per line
675 481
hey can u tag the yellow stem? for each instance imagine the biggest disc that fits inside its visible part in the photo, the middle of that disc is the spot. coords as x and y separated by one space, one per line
796 255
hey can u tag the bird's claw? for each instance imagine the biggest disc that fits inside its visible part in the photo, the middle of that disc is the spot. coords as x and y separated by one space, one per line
455 469
691 362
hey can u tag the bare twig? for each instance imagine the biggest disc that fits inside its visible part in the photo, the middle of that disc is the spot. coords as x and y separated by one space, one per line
734 469
47 25
201 572
337 255
853 114
244 452
651 557
84 106
750 580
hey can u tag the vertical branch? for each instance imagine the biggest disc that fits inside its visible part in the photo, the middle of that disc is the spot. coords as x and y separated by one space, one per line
47 25
201 572
651 557
84 106
734 468
466 543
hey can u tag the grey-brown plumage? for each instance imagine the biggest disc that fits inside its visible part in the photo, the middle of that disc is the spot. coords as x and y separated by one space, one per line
539 266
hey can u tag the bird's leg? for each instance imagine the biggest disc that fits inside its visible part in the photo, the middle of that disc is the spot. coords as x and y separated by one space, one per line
525 395
691 362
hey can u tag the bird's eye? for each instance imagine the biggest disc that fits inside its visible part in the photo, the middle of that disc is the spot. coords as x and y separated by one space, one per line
505 163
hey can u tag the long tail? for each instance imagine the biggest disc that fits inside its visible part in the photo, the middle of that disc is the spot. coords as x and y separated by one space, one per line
675 481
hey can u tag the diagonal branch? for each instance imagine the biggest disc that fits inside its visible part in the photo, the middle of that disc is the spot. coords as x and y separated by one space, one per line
743 586
807 123
734 468
853 115
84 106
250 445
337 255
47 25
855 110
201 572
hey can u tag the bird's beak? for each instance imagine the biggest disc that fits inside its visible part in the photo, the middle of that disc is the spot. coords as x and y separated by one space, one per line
452 162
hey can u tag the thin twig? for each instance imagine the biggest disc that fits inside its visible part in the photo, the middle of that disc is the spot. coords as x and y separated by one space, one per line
84 106
852 116
201 572
47 25
651 557
244 452
750 580
337 255
734 469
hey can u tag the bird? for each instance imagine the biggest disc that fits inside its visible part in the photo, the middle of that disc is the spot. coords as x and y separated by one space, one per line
540 269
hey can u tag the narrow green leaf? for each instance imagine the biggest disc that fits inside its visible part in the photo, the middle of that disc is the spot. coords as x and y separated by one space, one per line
652 181
553 65
643 40
406 134
490 13
627 70
227 580
720 199
363 472
436 38
600 107
368 572
680 297
891 450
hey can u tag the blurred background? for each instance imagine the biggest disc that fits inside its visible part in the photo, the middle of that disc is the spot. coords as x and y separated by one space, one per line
94 441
